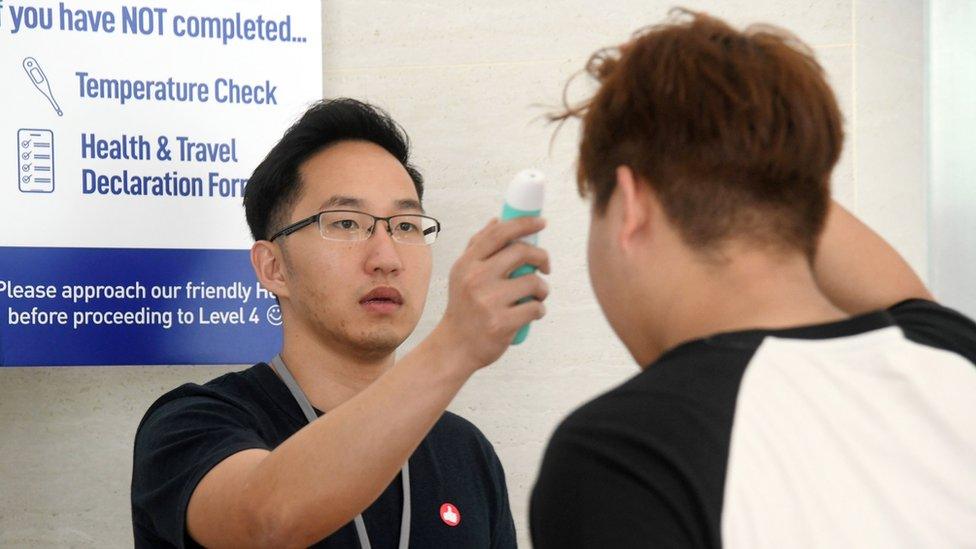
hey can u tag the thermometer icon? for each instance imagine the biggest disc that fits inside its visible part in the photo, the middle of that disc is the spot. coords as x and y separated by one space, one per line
34 72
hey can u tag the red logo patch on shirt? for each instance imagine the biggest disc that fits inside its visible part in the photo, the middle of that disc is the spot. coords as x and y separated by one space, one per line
450 515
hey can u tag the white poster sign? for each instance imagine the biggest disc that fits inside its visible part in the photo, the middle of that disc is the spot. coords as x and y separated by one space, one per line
135 128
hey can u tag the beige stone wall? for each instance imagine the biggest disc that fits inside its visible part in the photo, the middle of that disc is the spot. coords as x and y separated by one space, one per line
467 80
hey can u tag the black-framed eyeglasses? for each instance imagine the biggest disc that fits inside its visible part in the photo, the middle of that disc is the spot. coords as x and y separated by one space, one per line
352 225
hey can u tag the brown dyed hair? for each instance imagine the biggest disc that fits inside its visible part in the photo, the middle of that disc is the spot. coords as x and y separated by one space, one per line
736 132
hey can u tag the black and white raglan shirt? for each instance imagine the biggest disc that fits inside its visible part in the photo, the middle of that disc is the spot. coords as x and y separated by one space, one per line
859 433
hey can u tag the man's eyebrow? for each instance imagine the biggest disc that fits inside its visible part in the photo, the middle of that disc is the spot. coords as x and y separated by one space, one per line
342 202
409 204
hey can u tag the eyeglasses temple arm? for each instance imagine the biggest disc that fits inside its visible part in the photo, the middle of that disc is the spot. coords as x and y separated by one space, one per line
294 227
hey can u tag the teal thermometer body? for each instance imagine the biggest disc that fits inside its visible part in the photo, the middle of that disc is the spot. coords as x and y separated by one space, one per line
524 199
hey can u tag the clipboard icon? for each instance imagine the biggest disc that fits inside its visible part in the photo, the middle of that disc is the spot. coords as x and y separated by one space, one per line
35 160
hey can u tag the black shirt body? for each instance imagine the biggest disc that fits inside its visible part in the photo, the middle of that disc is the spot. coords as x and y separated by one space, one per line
191 429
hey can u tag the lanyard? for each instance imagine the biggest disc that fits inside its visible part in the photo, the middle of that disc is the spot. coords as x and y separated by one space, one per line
279 366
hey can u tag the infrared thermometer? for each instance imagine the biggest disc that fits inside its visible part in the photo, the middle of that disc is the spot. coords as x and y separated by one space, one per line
524 199
37 77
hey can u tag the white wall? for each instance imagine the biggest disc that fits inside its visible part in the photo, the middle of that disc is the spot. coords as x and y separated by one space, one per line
466 82
952 114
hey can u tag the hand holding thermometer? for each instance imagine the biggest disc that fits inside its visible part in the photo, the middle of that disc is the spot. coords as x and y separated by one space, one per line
524 199
36 75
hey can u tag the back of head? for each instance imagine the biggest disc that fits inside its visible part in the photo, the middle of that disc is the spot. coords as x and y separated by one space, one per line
736 132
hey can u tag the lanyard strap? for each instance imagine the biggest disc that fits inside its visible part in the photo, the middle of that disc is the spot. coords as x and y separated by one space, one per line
278 366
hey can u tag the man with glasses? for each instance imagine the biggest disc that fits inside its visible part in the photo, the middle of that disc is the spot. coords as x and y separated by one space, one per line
336 442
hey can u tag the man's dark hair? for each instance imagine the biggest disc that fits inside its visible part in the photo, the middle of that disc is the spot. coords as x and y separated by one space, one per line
275 185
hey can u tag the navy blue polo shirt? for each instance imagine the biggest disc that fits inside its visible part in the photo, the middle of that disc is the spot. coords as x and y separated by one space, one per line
191 429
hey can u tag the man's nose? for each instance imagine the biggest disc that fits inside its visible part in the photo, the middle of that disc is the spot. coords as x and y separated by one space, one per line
383 255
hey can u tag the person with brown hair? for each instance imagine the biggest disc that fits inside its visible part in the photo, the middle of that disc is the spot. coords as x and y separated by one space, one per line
799 385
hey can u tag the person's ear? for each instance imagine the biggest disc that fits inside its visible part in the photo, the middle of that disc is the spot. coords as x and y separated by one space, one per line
269 266
633 198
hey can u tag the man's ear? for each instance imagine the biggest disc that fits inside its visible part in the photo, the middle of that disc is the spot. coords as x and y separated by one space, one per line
269 267
633 203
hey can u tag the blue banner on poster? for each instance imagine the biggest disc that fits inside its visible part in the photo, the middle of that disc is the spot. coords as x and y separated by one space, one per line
102 306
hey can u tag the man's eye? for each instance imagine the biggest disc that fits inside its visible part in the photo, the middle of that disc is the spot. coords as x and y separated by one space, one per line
346 224
406 227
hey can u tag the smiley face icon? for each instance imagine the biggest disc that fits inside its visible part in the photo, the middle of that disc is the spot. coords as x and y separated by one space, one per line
274 315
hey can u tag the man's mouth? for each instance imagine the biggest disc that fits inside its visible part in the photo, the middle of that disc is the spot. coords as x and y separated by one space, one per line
383 299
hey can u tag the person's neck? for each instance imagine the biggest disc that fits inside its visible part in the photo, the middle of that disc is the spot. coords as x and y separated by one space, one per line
330 376
752 291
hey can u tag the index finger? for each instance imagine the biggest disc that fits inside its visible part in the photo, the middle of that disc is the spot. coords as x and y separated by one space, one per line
499 235
491 223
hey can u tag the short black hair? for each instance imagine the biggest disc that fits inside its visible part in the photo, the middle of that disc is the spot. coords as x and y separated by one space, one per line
275 184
